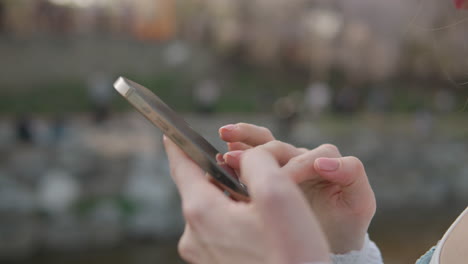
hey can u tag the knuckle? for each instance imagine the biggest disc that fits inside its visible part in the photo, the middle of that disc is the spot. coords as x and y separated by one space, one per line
302 163
274 144
356 164
272 196
265 131
242 125
330 148
272 147
299 160
247 153
280 145
186 249
247 156
302 150
252 153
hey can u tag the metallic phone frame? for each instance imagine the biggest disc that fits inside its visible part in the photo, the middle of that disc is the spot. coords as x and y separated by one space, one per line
180 132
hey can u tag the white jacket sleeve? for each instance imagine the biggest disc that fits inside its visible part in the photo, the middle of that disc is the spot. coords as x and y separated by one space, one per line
369 254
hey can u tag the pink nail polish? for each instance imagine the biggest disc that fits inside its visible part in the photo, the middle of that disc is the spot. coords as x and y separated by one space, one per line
327 164
219 158
233 154
228 127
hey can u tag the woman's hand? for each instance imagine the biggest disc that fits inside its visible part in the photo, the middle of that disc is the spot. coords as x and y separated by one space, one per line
276 226
336 187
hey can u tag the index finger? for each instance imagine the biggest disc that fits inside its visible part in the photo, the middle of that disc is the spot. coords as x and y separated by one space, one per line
258 167
249 134
301 167
278 199
262 173
282 152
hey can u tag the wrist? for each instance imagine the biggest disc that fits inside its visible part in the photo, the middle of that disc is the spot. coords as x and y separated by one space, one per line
369 253
348 243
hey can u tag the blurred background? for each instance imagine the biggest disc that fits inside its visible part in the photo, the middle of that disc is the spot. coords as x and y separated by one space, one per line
84 179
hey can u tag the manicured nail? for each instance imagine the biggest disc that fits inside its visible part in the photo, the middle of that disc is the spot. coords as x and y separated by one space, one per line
327 164
219 158
233 154
229 127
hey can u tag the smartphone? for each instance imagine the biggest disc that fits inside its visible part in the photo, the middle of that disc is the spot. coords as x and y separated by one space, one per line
180 132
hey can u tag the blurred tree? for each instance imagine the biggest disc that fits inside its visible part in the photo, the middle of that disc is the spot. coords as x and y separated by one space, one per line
461 4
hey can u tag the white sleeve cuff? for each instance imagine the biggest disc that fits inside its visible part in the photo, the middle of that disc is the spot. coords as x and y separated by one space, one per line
369 254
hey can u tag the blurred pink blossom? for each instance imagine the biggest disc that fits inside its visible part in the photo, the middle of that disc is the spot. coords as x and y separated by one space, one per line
461 4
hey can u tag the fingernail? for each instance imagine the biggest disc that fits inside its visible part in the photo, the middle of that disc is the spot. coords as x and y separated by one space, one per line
164 137
327 164
229 127
219 157
233 154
